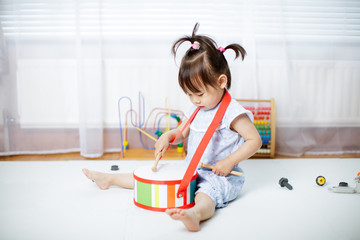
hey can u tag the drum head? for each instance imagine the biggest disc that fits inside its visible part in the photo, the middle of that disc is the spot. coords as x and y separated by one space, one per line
165 172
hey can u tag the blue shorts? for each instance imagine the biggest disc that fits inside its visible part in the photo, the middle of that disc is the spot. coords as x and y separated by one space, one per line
221 189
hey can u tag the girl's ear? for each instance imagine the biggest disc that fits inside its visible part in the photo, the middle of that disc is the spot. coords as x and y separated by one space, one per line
222 81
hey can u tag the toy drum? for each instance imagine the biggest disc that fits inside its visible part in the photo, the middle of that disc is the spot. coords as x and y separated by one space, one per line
157 191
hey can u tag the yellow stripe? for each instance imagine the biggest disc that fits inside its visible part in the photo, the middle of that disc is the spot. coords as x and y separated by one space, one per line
156 195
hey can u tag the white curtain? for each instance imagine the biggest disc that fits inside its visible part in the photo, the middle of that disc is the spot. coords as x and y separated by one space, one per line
65 64
90 78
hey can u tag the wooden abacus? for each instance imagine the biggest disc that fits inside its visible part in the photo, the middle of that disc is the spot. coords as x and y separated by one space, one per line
264 121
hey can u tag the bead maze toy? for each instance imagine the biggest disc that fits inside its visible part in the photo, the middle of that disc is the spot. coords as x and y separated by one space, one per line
264 121
138 122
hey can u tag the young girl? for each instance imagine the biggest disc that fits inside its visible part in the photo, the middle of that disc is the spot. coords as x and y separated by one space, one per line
204 76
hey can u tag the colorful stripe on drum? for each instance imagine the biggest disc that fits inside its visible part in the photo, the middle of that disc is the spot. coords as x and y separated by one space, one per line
161 196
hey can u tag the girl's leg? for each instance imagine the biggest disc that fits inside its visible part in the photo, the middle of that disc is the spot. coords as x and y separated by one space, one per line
204 209
105 180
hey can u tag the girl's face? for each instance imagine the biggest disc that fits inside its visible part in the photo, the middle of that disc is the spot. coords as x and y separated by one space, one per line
208 97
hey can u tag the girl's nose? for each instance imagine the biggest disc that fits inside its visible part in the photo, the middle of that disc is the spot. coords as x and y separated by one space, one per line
197 101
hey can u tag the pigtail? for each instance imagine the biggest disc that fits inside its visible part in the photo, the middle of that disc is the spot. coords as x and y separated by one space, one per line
187 38
203 62
196 27
177 44
204 43
239 50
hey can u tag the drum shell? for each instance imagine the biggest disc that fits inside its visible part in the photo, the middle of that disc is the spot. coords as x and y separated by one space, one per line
159 195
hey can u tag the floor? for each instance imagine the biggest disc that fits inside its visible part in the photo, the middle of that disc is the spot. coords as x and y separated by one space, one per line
130 154
54 200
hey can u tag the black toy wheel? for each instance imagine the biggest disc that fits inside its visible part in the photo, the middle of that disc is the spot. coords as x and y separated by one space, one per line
320 180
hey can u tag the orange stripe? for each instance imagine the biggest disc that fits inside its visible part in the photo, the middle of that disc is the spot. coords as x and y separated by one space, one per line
171 196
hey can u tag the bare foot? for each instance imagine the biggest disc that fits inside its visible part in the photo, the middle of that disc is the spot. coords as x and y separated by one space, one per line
101 179
188 217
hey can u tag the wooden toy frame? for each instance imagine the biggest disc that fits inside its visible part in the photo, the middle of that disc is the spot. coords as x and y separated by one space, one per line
254 106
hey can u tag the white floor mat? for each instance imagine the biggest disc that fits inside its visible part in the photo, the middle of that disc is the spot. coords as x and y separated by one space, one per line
54 200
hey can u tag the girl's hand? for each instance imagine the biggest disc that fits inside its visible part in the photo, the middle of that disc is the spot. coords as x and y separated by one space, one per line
165 139
162 143
222 168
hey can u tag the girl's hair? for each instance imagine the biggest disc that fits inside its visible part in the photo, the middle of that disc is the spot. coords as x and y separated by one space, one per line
203 64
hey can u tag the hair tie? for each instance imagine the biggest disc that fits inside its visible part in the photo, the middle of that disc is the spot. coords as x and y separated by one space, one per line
221 49
195 45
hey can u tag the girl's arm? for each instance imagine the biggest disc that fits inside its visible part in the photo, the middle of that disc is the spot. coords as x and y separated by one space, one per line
247 130
165 139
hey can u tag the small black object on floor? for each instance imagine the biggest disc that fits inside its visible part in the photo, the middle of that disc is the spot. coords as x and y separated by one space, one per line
284 182
114 167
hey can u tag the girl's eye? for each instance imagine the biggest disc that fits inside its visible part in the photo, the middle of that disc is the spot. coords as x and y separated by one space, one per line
200 94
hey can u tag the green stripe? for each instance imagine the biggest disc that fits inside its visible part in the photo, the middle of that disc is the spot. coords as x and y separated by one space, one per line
144 193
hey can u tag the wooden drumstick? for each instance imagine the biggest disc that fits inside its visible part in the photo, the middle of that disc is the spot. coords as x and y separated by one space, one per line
212 167
154 168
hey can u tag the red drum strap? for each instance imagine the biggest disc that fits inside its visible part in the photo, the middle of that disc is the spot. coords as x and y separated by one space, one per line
204 142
